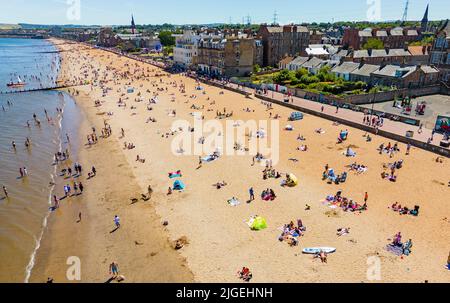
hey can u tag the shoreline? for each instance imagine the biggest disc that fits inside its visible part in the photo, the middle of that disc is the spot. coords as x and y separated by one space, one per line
219 241
56 248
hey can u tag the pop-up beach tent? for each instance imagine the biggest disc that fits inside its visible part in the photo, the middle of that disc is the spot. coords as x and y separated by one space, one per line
178 185
258 223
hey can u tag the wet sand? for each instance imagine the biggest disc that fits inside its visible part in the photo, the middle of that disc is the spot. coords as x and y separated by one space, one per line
220 242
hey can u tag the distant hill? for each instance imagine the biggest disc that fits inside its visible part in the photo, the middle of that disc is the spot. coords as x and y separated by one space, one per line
9 26
49 26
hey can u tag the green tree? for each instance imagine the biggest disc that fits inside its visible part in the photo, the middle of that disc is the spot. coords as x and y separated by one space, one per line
284 76
256 68
300 73
166 38
373 43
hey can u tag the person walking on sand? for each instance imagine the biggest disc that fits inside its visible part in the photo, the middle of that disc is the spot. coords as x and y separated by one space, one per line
448 261
408 148
117 221
366 197
81 187
114 269
56 202
5 191
252 194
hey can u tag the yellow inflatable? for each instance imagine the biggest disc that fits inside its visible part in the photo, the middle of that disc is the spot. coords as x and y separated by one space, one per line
292 180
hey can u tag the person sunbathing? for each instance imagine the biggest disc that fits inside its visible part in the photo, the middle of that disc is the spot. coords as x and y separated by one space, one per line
245 274
301 138
395 206
323 256
343 231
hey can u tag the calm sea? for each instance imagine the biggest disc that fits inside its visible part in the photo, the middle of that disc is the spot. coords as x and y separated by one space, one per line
24 214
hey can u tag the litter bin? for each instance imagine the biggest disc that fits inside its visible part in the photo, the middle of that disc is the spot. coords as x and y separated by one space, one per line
409 134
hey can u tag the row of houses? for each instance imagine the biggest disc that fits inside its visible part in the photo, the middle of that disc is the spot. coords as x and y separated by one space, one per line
128 41
401 76
235 53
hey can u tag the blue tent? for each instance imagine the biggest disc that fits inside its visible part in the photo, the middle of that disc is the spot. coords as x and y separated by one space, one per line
178 185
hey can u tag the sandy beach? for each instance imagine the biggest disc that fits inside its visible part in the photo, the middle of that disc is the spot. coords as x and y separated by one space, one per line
219 242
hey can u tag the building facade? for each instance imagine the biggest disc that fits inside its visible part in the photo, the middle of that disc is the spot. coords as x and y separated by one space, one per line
228 57
440 52
393 38
186 48
282 41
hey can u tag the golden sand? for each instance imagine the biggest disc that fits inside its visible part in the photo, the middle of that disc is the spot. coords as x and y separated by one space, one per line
219 241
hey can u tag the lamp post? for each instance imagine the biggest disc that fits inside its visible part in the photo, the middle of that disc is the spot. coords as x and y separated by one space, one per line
373 102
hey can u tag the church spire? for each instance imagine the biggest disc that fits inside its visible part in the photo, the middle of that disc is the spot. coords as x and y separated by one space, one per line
424 24
133 25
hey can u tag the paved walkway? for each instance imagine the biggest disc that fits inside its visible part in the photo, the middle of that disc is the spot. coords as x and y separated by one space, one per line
394 127
398 128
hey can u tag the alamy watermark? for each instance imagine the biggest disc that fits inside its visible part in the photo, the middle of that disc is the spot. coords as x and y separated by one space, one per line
374 10
73 272
236 138
73 10
374 268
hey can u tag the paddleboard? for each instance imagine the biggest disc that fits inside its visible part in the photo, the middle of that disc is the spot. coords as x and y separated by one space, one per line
316 250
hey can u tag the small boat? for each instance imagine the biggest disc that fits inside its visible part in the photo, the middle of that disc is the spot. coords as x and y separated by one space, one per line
19 83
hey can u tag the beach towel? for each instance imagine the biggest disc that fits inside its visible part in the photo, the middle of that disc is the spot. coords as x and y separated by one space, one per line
175 175
396 250
234 202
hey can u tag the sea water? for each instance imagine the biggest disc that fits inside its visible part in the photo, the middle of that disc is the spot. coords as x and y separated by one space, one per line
24 214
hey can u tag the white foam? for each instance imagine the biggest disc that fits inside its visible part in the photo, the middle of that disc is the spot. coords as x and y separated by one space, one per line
31 264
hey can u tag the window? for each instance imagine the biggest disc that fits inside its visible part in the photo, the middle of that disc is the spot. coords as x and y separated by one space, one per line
440 42
436 58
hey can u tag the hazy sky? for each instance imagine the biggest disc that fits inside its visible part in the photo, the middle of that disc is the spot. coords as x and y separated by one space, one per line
108 12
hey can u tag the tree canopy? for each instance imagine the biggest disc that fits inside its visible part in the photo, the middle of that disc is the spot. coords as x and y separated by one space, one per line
373 43
166 38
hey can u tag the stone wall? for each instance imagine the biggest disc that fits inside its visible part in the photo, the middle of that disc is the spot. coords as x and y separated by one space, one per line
391 95
432 148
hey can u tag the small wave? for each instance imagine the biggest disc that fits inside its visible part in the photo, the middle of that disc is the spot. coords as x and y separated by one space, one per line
30 266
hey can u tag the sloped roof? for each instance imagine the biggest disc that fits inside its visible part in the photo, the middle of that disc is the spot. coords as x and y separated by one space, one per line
279 29
365 33
429 69
391 71
299 60
345 67
417 50
397 31
286 60
363 53
365 70
313 62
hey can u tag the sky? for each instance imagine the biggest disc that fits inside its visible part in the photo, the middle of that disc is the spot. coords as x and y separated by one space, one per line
118 12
